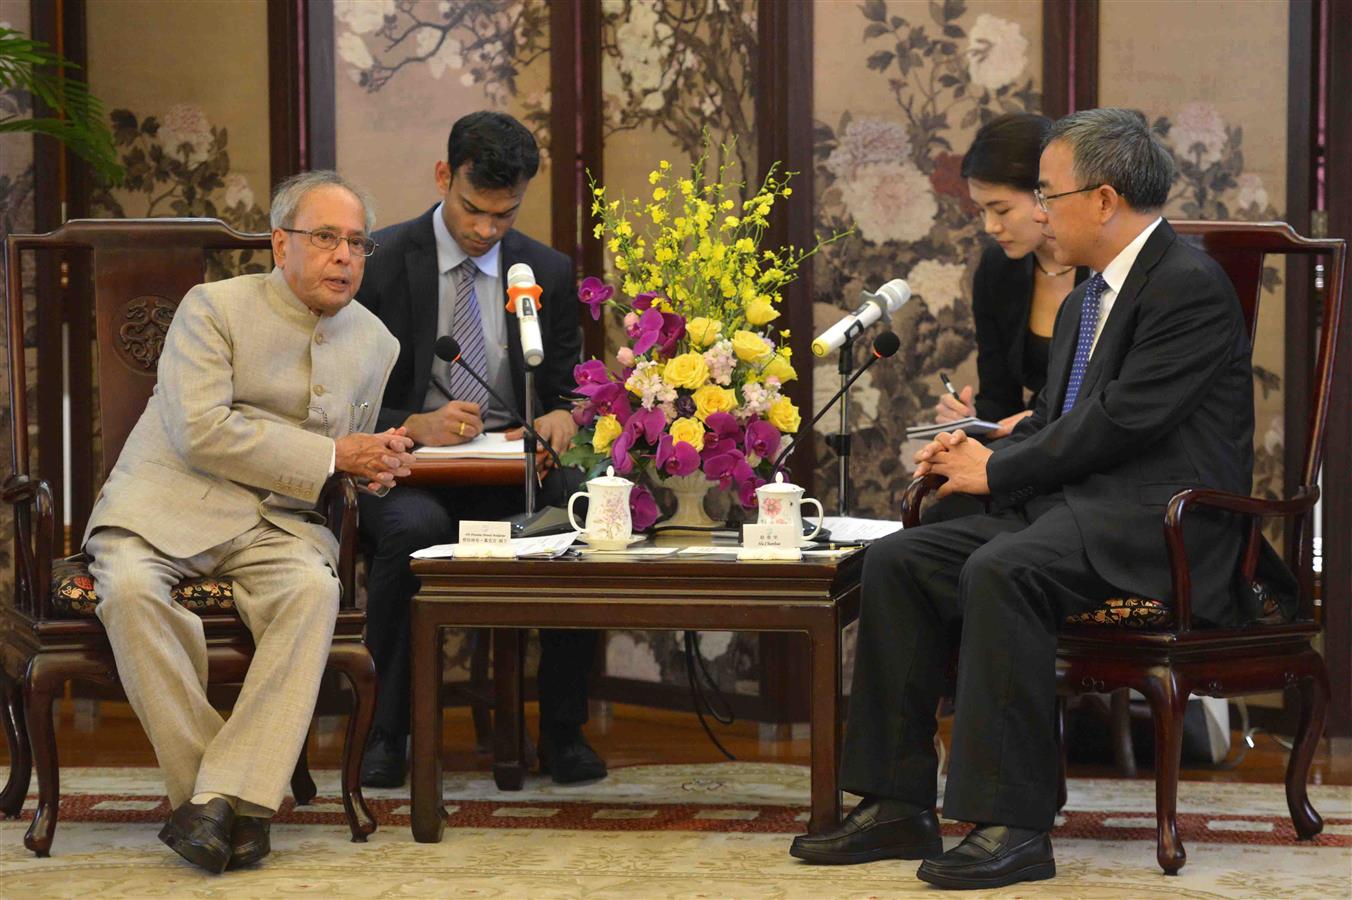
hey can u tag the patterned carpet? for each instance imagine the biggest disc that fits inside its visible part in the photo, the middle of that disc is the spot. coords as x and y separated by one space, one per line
716 830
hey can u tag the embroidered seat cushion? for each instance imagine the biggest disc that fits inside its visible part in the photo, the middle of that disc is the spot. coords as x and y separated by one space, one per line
73 594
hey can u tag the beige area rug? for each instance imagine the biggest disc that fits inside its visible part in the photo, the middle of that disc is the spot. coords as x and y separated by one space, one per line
715 830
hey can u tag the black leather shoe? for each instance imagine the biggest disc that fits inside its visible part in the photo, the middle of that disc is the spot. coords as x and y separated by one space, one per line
873 831
201 834
250 840
992 856
384 764
568 758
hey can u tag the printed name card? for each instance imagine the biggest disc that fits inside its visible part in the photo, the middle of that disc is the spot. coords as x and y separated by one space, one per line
485 539
770 542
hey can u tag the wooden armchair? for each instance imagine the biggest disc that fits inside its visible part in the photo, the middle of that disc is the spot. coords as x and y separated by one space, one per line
1151 645
139 270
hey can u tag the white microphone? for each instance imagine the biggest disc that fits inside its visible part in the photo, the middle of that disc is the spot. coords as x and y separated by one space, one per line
872 307
524 300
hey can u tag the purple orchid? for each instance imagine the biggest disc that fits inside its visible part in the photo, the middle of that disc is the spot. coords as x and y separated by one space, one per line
685 406
746 491
619 453
642 508
608 399
673 329
645 299
646 332
723 466
762 439
591 372
594 293
646 422
676 457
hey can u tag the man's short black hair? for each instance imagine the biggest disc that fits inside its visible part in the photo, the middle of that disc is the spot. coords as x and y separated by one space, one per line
501 151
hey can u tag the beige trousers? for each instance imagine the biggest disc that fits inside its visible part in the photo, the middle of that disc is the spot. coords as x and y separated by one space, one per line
287 596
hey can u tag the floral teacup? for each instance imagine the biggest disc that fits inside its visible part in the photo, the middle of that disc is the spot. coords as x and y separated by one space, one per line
782 504
609 526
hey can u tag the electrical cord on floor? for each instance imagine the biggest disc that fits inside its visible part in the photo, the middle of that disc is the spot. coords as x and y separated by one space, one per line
699 698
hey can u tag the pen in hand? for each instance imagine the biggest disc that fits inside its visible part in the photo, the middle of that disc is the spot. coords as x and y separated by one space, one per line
948 386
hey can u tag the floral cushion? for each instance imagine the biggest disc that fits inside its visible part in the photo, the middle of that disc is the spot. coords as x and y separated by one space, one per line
1142 613
73 594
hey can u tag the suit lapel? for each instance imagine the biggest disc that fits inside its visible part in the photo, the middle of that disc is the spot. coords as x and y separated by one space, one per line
420 261
1107 351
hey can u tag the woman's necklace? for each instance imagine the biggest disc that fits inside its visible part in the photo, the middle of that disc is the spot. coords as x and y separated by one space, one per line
1037 262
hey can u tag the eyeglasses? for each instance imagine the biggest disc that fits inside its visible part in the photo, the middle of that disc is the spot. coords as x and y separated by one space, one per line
1043 199
325 239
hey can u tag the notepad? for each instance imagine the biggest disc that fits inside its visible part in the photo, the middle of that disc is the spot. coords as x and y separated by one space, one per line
489 445
971 425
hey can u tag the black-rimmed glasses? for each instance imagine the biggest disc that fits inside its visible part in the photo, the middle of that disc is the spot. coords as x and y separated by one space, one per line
325 239
1043 199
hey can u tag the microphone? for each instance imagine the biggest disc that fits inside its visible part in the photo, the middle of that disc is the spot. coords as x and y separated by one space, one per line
523 298
447 349
884 345
889 298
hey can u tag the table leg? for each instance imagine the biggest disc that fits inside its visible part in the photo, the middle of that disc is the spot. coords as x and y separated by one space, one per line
825 723
425 787
509 726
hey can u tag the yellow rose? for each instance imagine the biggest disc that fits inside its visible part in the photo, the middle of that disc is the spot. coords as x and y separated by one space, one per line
760 311
607 429
784 415
780 368
689 430
703 331
687 370
711 399
749 346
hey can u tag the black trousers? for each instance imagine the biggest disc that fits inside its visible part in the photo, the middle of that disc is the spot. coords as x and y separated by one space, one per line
410 518
997 586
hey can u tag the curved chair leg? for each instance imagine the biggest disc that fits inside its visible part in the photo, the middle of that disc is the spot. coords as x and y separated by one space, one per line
1119 716
1061 793
41 681
354 661
302 785
20 752
1314 700
1168 699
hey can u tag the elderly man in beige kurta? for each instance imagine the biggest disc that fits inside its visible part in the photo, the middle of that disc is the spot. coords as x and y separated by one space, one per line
267 384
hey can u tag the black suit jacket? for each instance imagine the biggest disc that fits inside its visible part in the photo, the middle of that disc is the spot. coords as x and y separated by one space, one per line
1002 296
1166 404
400 286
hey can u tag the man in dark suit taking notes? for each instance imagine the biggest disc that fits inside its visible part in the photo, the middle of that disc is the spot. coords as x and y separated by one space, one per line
445 273
1149 391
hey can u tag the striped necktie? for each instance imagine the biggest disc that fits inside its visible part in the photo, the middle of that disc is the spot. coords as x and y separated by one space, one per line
468 330
1089 311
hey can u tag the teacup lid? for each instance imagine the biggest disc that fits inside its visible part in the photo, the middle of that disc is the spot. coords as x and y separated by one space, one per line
610 479
778 486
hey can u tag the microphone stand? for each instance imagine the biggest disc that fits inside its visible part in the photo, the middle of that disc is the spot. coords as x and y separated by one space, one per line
840 441
528 440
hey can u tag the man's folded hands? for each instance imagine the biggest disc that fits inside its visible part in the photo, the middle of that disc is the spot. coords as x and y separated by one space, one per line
377 458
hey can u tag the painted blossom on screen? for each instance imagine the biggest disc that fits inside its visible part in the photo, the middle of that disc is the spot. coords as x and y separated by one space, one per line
890 202
868 141
1198 133
185 131
997 51
939 284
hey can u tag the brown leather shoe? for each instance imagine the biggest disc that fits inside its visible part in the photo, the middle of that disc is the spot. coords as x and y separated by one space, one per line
250 840
201 834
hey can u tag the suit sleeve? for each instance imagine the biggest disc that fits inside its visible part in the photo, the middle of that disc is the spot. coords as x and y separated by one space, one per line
1182 340
563 343
998 394
372 294
196 383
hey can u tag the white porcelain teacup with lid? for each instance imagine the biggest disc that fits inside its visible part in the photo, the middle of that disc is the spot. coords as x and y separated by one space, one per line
781 503
609 525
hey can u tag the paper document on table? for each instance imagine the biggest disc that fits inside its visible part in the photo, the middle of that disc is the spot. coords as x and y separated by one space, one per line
547 547
849 530
710 550
970 425
489 445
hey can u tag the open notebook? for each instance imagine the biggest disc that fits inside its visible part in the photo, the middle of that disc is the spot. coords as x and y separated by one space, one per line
489 445
970 425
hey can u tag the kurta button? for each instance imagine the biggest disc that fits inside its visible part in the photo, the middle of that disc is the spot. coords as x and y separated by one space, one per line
319 338
319 390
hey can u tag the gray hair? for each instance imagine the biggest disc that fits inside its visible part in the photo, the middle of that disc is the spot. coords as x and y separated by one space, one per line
286 199
1116 147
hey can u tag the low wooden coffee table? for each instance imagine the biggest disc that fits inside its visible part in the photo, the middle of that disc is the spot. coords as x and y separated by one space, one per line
815 596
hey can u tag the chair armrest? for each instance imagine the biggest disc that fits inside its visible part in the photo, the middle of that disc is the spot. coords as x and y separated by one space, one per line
914 495
1257 508
338 501
33 541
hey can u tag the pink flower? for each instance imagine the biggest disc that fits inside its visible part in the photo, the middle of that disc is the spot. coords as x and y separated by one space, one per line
646 331
762 439
642 508
645 299
590 373
619 453
746 491
676 457
594 293
647 422
630 320
625 357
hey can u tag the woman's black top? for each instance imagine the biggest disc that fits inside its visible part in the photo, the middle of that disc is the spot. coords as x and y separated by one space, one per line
1009 357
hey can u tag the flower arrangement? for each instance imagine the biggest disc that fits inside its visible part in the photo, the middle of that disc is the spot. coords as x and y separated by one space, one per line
698 387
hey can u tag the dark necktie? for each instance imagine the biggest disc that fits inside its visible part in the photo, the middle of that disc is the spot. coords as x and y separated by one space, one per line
468 330
1089 313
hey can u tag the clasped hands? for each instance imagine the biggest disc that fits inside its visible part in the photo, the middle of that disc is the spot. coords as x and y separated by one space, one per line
957 458
378 458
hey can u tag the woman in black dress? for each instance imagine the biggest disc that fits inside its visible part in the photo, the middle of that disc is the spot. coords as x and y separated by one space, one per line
1018 286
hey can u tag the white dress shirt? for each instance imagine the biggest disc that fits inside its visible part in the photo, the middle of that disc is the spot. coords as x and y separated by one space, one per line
1115 275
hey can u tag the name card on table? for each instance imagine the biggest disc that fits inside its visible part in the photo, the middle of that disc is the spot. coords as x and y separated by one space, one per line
480 539
770 542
